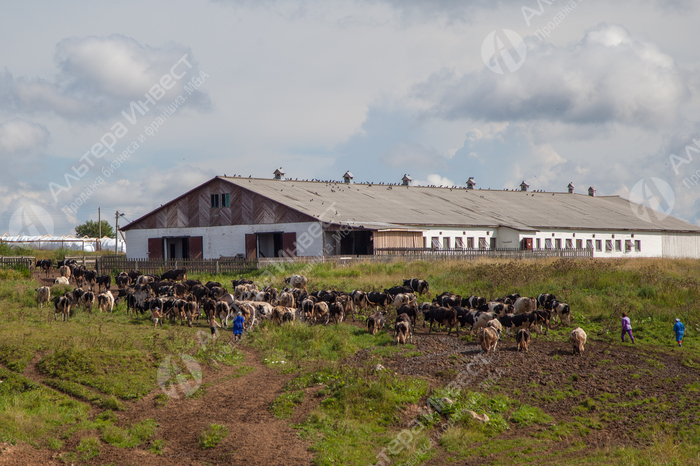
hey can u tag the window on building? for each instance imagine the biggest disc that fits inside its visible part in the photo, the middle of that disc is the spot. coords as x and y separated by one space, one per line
425 242
589 244
492 243
435 242
459 243
214 200
482 243
598 245
637 245
628 245
225 200
608 245
618 245
470 243
557 244
539 244
569 244
446 243
548 243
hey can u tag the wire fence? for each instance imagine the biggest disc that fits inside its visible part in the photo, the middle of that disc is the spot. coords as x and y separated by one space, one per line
160 266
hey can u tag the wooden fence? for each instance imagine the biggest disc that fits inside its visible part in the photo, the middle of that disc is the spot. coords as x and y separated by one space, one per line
11 261
159 266
471 254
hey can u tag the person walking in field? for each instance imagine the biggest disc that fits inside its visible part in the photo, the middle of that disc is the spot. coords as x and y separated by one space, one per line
679 330
626 327
238 326
157 317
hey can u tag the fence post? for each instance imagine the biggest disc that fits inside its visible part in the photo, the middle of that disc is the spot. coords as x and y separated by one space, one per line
136 265
217 267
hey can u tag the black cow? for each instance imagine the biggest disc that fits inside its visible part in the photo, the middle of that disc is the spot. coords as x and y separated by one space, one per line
544 299
393 291
465 317
45 265
448 299
443 316
511 321
418 286
242 281
133 275
473 302
66 262
410 311
210 284
90 278
175 274
104 280
375 298
122 280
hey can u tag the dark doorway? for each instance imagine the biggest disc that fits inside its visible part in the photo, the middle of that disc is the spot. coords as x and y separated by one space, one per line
358 243
177 248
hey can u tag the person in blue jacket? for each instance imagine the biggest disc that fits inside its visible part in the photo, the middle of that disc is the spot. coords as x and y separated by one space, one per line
679 330
238 326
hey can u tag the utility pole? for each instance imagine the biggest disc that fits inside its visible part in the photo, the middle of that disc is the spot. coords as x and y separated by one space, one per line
99 228
116 233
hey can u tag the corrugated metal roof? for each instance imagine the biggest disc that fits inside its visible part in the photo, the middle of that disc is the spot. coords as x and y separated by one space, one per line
372 205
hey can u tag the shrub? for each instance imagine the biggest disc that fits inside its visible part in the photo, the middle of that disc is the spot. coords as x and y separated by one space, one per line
212 436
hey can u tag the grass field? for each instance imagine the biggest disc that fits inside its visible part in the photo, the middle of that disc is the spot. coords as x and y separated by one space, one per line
64 384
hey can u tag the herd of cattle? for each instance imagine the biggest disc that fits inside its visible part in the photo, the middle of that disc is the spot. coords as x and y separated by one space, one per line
174 297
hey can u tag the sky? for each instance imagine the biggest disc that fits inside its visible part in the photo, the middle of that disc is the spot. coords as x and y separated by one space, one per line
125 105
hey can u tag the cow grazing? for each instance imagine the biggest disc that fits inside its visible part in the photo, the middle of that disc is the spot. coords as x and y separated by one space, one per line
296 281
133 275
287 299
465 317
578 340
90 277
418 286
43 295
482 320
488 337
443 316
376 322
78 274
44 265
177 275
524 305
522 338
61 281
307 309
561 310
242 281
62 306
403 330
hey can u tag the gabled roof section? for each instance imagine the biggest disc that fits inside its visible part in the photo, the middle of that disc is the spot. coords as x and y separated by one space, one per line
380 206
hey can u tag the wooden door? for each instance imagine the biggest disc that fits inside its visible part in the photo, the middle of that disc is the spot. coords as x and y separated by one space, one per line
155 248
251 247
289 244
195 248
527 244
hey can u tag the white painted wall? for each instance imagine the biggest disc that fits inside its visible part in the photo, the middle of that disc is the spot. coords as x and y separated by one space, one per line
453 233
685 245
228 240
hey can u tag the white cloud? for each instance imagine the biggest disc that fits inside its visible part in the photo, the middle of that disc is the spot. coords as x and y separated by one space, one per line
20 136
409 155
435 180
608 76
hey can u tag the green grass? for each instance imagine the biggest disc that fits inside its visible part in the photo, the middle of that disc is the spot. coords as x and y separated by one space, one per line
283 406
212 436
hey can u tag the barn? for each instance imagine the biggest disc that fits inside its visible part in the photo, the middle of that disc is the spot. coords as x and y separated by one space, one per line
279 217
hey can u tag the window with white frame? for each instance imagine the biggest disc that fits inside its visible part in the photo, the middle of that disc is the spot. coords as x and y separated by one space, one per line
548 243
628 245
482 243
608 245
557 243
470 243
459 243
618 245
569 244
598 245
446 242
435 242
637 245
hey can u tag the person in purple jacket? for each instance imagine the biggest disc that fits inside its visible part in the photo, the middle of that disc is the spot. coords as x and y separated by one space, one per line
626 327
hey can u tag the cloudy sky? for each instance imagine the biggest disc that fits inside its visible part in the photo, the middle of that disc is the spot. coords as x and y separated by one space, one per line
378 87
